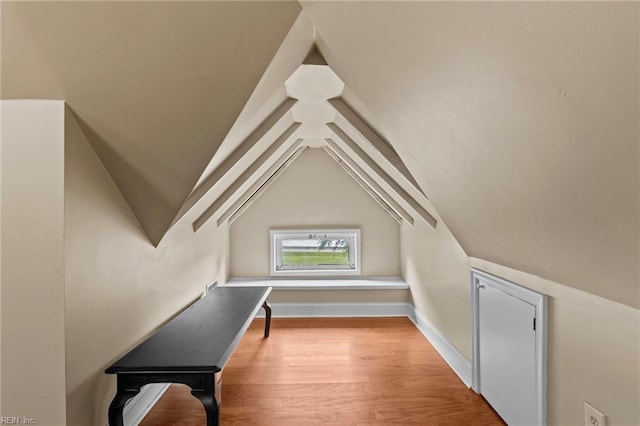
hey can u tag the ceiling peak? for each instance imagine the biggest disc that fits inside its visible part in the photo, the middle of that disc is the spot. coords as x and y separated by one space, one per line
314 57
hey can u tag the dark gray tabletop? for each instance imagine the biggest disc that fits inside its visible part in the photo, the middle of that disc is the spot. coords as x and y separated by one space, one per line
201 338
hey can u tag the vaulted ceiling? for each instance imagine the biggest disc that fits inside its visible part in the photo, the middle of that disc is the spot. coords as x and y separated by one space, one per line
155 86
519 121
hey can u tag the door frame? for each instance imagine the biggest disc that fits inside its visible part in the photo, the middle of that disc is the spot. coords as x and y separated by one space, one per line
539 301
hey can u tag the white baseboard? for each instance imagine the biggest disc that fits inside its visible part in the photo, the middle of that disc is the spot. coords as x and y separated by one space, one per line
140 405
310 310
458 363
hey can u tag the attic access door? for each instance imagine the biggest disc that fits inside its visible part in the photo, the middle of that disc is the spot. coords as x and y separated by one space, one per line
509 348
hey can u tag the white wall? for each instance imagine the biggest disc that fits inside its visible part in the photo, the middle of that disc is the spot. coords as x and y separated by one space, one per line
437 271
119 288
340 296
314 192
33 333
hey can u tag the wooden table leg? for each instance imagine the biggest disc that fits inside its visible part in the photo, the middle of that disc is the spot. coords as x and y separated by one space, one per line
123 394
206 394
267 323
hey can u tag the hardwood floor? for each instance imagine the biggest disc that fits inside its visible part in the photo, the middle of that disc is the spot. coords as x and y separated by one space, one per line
333 371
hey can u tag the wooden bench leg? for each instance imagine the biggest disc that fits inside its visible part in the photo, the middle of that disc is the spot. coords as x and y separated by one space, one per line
210 405
267 322
117 404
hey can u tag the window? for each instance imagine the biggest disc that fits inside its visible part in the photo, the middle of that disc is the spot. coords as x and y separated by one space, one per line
315 252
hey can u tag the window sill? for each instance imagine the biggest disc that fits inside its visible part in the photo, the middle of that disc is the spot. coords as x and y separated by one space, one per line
374 283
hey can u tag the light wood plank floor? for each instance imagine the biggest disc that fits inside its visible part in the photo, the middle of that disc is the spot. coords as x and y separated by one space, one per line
333 371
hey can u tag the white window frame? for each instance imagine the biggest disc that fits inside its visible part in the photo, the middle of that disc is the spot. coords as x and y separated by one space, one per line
275 252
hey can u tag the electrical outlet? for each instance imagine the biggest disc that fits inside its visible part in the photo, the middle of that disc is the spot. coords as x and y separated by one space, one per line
593 417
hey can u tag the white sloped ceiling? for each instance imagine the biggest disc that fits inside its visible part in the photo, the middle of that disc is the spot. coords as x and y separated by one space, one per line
518 120
155 86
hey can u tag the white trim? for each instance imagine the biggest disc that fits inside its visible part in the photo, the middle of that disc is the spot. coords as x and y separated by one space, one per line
370 178
341 138
539 300
458 363
369 140
318 310
272 159
366 187
139 406
280 283
256 190
373 189
275 120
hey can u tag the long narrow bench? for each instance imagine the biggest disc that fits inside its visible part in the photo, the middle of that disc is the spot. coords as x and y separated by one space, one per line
191 349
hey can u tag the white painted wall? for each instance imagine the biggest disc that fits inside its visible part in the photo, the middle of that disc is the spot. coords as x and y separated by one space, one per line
119 288
437 271
33 332
314 192
340 296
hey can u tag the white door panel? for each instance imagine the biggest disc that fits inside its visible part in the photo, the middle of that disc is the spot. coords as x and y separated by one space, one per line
507 352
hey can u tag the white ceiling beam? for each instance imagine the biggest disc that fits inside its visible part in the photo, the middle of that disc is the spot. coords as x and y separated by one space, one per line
372 138
356 152
368 180
368 189
257 189
269 157
236 156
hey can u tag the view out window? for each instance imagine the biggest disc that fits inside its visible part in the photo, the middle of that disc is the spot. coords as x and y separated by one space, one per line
315 252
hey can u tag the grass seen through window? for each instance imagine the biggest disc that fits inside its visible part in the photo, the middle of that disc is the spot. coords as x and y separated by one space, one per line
315 252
